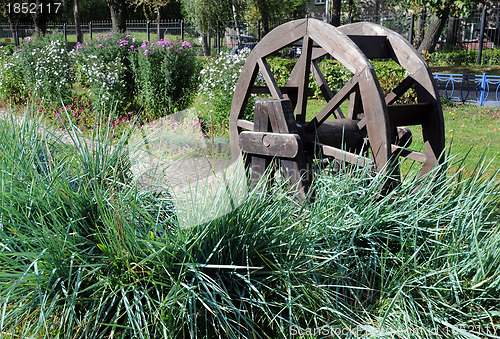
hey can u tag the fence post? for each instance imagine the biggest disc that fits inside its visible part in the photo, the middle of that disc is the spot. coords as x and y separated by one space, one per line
412 28
64 32
483 85
182 30
90 29
16 36
147 29
481 37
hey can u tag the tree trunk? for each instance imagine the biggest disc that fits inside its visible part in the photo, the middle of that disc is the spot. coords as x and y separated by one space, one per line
159 32
40 17
263 8
118 10
78 21
10 18
431 37
205 46
451 36
336 12
420 28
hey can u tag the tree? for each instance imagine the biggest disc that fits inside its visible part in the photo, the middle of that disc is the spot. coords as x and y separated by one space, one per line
40 17
118 9
272 10
441 9
207 14
78 21
336 12
10 17
154 6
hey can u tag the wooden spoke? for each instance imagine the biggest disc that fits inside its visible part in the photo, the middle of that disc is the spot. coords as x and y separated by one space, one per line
321 81
325 89
245 124
342 155
400 90
269 78
303 80
409 153
333 104
355 105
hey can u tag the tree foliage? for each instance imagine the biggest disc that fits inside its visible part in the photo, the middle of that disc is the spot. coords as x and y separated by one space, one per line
209 13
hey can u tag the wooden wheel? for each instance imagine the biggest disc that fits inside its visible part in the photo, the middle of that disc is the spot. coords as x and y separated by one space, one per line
378 42
280 128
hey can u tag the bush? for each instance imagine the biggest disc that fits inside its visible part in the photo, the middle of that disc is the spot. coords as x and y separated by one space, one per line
103 67
218 82
389 73
467 57
47 68
12 86
166 76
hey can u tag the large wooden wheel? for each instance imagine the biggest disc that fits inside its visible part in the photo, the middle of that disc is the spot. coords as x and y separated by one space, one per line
280 129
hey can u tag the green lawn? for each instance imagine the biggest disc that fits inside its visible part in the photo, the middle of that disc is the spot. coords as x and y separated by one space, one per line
467 69
470 130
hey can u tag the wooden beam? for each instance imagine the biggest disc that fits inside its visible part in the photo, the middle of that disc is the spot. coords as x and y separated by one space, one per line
270 144
342 155
266 90
245 124
373 46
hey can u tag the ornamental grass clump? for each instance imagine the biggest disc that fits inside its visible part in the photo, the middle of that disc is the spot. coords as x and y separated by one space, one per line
86 252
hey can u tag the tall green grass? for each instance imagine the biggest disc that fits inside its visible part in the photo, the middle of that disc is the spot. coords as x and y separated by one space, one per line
86 253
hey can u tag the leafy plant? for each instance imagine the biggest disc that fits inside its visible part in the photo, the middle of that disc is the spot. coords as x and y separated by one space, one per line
47 68
218 82
165 76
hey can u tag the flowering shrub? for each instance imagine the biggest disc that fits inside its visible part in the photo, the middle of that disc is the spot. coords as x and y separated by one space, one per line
42 70
11 77
103 67
47 67
219 78
106 81
165 76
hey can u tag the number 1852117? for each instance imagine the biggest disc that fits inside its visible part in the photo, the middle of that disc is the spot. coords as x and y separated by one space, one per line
32 8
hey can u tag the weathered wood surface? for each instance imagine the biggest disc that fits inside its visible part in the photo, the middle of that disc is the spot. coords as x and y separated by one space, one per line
371 114
270 144
420 77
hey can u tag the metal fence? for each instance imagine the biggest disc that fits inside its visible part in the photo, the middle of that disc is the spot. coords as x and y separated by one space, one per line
479 89
175 30
480 30
459 33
